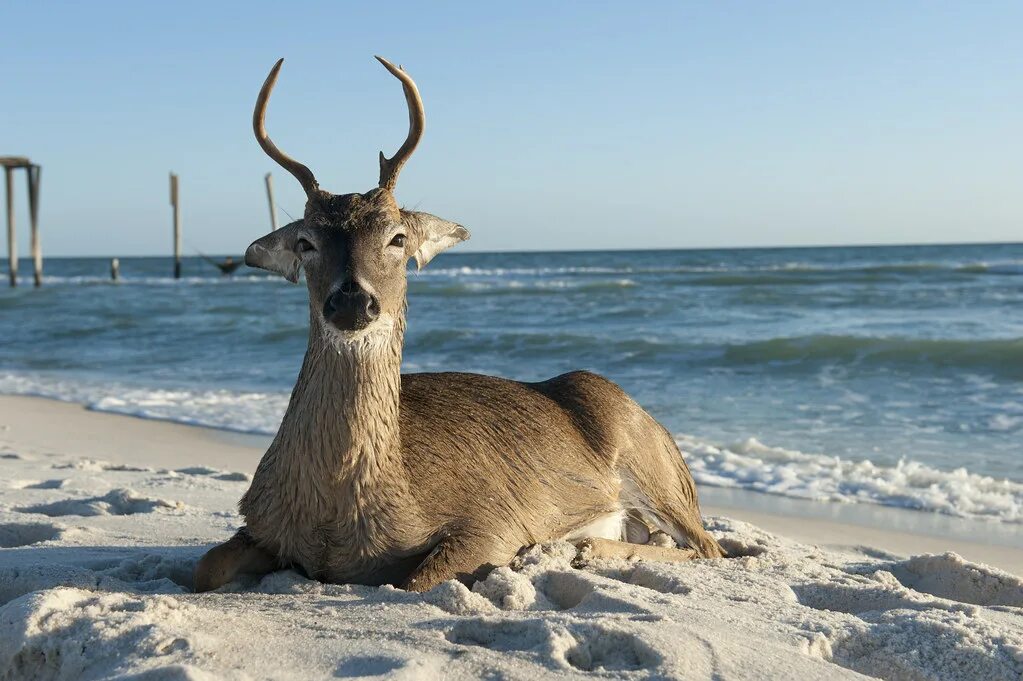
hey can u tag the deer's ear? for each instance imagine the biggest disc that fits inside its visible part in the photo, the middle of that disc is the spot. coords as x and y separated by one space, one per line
275 252
433 233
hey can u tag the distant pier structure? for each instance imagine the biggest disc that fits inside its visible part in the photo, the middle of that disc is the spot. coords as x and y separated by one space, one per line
269 179
33 173
177 224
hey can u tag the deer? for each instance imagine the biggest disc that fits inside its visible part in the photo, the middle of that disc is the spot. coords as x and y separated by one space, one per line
377 477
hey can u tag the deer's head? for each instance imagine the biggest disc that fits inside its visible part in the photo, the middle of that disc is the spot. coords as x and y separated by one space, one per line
354 248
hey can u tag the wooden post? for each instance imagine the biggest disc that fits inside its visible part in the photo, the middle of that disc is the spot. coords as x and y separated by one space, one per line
270 197
177 225
34 173
12 242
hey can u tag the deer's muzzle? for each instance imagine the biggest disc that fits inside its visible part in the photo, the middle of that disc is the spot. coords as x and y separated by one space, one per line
351 307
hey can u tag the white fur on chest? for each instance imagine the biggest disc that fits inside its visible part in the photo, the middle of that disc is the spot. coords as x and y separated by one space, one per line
609 526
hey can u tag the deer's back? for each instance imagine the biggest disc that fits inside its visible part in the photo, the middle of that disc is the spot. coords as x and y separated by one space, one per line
540 455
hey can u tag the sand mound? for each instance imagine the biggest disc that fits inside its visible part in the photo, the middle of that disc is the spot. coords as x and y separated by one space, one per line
105 592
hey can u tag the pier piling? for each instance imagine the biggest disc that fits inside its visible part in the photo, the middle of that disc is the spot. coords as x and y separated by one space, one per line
177 225
33 173
270 197
12 238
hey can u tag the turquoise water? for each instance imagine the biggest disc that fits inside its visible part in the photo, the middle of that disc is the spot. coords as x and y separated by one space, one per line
784 370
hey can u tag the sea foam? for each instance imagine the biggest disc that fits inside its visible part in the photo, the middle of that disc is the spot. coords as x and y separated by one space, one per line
245 412
747 464
752 465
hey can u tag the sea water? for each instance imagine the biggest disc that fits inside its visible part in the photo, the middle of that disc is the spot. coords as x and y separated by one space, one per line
886 375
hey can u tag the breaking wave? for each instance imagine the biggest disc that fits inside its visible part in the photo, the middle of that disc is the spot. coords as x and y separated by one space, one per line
709 274
795 268
754 466
244 412
748 464
1004 357
1004 354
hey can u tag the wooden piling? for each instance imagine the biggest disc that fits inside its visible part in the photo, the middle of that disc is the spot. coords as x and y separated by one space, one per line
34 174
270 197
12 242
177 225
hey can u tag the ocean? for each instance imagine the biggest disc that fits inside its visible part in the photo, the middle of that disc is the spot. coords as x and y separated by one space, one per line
881 375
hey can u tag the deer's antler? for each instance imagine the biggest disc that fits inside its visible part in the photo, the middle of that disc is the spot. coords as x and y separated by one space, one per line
390 167
301 172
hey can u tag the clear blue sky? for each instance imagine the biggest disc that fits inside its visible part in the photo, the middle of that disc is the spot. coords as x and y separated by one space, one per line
577 125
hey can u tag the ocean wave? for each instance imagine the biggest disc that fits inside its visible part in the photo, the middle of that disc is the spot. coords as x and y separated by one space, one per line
256 412
243 412
754 466
791 268
516 287
748 464
466 271
1009 267
791 273
565 344
96 280
1001 357
1004 354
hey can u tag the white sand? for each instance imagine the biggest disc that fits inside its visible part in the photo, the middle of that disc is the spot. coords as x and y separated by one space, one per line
102 518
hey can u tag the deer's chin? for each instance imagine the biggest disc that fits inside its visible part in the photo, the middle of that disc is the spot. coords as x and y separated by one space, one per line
374 335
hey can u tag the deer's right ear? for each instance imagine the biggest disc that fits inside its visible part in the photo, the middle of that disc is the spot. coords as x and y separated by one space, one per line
275 252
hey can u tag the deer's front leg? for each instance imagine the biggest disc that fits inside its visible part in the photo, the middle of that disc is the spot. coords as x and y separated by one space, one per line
466 559
238 555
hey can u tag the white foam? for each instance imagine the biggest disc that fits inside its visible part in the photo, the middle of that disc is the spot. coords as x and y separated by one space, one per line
254 412
547 284
516 271
909 484
748 464
1004 422
246 412
996 267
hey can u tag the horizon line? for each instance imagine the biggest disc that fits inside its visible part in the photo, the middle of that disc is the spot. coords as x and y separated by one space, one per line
606 250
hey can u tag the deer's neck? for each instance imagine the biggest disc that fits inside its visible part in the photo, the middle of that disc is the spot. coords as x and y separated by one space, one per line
346 401
340 442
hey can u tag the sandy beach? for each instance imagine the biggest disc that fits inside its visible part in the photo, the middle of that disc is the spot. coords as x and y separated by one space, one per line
383 305
103 516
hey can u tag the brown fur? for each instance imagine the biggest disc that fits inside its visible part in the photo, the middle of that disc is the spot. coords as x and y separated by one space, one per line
375 477
372 471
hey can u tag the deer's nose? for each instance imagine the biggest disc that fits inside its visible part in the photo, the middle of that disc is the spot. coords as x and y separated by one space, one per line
351 307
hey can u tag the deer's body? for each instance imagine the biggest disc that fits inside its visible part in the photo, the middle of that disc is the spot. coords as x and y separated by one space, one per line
375 477
360 486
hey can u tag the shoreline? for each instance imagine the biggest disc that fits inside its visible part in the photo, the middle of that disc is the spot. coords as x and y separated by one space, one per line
103 518
27 425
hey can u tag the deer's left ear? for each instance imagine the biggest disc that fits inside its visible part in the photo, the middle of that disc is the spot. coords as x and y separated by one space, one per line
276 252
434 234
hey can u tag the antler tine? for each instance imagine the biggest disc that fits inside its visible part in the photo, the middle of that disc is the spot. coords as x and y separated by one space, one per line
301 172
390 167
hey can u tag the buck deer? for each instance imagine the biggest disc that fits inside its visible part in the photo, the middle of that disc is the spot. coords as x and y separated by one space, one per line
377 477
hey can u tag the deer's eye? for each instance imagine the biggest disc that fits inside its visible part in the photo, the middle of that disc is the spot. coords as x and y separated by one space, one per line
303 246
398 240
